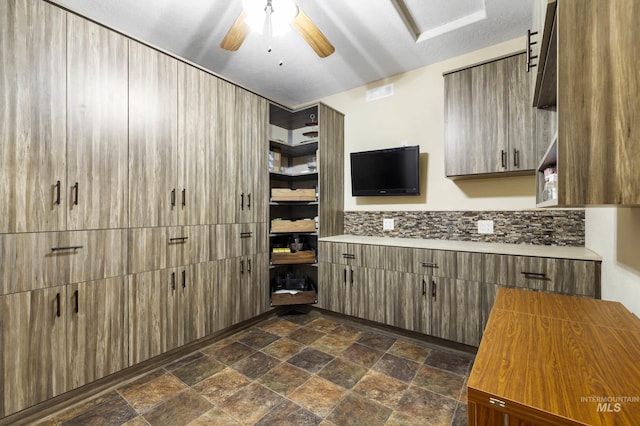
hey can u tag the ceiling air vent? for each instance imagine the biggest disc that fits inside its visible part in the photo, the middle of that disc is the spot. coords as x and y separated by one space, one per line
379 92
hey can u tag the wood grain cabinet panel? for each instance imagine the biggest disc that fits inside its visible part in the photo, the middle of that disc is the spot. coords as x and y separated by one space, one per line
153 196
153 312
340 253
330 171
97 127
32 113
97 334
398 259
333 279
452 264
227 292
104 254
490 125
406 302
227 165
456 310
194 141
33 337
366 287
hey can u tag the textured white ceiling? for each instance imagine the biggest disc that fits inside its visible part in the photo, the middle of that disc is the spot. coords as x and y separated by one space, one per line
370 37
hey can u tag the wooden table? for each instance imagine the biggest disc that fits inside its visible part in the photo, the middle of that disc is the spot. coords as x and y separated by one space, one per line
548 359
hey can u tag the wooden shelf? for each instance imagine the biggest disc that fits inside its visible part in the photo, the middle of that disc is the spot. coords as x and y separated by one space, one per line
285 177
300 298
307 148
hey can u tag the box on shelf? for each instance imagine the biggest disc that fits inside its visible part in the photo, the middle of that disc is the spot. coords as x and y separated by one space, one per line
304 256
278 134
286 194
301 225
275 161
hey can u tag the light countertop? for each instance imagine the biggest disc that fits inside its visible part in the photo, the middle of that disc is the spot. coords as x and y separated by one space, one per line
576 253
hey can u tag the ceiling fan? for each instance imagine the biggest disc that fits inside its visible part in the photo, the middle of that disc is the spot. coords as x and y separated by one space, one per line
287 13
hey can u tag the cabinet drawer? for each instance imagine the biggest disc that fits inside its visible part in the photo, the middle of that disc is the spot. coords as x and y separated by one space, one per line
555 275
164 247
398 259
448 264
236 240
340 253
104 254
567 276
30 261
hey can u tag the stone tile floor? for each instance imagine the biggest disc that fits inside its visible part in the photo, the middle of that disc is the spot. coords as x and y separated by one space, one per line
304 369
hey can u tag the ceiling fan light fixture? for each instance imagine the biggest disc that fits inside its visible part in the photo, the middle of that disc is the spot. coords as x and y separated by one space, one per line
282 13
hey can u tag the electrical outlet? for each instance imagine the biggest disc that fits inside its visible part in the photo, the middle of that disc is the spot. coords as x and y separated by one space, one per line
387 224
485 227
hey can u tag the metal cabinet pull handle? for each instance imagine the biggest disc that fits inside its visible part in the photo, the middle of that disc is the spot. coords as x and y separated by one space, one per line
249 266
242 201
180 239
434 290
173 197
429 264
184 197
76 190
530 43
352 278
503 158
424 288
66 248
247 234
57 193
242 266
184 278
58 304
249 200
76 302
344 280
173 281
516 158
534 274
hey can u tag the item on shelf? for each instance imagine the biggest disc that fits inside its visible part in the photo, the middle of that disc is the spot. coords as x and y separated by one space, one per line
292 258
550 190
278 134
275 161
312 163
301 225
286 194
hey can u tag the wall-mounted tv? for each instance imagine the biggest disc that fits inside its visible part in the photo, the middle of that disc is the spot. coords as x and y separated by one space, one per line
393 171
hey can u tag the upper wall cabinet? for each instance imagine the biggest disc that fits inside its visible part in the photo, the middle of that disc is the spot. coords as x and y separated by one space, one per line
97 127
241 172
589 58
489 123
32 116
153 93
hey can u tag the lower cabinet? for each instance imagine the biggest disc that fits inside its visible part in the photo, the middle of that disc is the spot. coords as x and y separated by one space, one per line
60 338
456 310
33 338
334 286
167 309
97 338
406 303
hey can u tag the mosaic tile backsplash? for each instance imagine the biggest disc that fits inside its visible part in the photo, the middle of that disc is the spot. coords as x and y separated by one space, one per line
544 227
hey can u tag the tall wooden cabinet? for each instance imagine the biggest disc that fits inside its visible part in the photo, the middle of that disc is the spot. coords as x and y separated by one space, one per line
33 115
589 74
97 127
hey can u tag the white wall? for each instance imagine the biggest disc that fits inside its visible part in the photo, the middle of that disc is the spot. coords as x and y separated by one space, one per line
614 233
415 114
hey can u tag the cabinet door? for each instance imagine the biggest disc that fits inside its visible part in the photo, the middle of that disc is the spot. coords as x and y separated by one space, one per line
252 116
193 144
97 127
194 284
456 310
475 126
227 161
153 93
33 337
332 287
227 292
97 334
405 301
330 171
153 304
32 113
521 117
366 289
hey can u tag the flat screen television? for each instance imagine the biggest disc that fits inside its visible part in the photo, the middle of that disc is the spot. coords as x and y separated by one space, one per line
393 171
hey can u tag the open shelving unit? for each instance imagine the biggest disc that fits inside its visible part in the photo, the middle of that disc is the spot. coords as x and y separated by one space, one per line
293 206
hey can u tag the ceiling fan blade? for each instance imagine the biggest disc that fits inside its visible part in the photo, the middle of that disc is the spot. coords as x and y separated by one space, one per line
236 34
312 34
